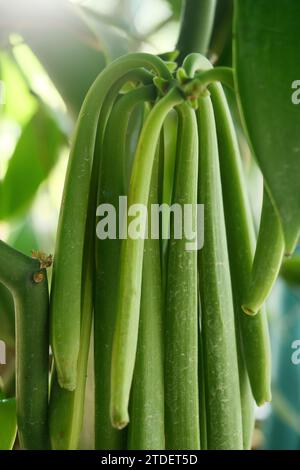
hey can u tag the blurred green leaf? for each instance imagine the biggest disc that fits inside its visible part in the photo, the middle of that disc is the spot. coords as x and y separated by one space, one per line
112 32
19 104
265 51
24 238
8 423
61 40
35 155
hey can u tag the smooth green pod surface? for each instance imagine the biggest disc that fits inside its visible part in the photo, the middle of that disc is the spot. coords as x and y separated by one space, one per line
66 407
126 331
241 240
267 259
223 408
181 322
147 412
112 185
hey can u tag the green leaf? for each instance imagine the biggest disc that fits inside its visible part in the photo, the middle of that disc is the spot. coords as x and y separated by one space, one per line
19 104
35 155
8 423
65 46
266 49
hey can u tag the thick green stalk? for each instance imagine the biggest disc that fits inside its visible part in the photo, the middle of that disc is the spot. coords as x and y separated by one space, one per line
126 331
111 186
224 421
66 286
181 324
196 27
28 284
241 240
147 428
267 259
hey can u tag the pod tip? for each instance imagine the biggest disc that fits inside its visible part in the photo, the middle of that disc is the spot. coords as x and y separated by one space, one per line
119 419
249 311
263 400
67 383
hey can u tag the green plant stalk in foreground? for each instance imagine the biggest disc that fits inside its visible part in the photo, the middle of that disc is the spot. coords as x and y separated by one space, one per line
181 322
28 284
223 409
196 27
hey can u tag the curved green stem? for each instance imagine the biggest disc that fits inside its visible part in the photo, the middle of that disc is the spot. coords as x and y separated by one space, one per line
196 27
195 62
29 286
202 79
66 286
126 330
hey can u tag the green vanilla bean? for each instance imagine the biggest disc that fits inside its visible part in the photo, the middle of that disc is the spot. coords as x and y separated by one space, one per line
181 324
147 428
196 27
192 65
29 286
224 420
112 185
241 240
126 331
202 391
267 259
247 400
66 286
66 407
236 218
168 143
